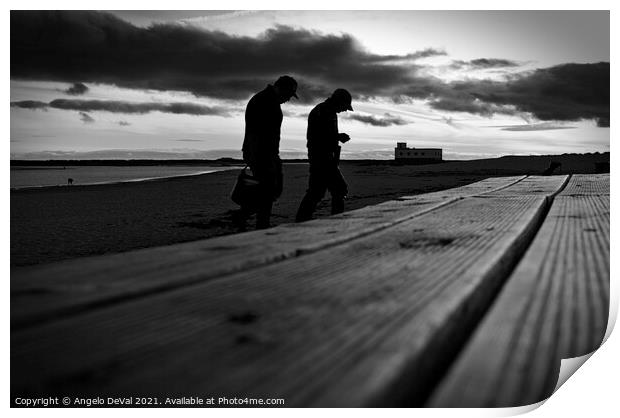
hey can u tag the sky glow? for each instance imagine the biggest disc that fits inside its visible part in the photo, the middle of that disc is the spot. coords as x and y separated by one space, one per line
474 83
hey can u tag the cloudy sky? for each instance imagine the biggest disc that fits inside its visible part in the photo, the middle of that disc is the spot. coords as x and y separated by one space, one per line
168 84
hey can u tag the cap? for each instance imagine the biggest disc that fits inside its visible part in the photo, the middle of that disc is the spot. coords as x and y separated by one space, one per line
287 83
342 96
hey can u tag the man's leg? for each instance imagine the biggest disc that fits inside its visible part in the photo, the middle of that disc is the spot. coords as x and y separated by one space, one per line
264 214
267 178
307 206
240 217
337 204
314 194
338 189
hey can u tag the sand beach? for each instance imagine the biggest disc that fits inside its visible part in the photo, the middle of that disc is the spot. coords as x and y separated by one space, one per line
59 223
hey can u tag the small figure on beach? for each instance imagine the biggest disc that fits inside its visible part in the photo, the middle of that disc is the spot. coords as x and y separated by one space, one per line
261 146
69 181
552 167
324 155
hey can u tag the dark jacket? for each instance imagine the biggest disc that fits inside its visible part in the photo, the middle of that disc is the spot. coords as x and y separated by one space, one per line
322 134
263 119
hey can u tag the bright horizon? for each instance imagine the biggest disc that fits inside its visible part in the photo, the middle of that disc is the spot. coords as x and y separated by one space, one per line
168 85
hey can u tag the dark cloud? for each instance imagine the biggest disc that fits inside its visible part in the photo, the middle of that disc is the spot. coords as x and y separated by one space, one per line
386 120
77 89
86 118
123 123
425 53
484 63
564 92
99 47
30 104
428 52
545 126
468 103
117 106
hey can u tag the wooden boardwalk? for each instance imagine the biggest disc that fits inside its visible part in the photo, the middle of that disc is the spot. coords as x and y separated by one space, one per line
405 303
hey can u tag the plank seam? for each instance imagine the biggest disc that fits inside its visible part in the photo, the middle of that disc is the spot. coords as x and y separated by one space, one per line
521 248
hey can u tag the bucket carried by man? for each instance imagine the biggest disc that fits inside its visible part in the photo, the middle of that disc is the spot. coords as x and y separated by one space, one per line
245 192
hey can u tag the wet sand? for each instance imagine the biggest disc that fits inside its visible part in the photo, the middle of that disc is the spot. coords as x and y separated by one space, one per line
59 223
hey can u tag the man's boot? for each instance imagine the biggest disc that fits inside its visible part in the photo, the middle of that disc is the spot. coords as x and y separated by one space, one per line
337 205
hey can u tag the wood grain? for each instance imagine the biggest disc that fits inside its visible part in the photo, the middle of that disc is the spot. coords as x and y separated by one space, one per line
554 306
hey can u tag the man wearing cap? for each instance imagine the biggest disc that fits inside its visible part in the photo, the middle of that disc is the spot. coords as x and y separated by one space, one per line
324 155
261 145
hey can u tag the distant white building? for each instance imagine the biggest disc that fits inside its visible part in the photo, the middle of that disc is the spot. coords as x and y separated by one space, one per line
417 155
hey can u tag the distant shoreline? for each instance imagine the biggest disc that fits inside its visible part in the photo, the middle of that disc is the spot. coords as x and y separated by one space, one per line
507 165
236 161
138 180
114 163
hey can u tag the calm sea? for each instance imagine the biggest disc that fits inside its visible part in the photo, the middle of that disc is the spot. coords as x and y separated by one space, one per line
22 177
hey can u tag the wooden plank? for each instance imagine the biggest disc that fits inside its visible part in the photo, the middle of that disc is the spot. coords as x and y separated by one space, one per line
592 184
533 185
555 305
42 293
368 322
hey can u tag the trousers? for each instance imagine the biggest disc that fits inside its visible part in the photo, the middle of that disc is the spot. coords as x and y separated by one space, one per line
324 175
269 176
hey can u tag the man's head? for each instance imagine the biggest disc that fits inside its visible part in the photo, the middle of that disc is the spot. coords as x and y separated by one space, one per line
286 87
342 100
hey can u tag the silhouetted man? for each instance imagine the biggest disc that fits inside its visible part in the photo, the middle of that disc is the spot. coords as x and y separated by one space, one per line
552 167
324 155
261 145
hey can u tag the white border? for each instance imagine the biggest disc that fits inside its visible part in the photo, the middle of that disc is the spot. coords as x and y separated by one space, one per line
591 391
